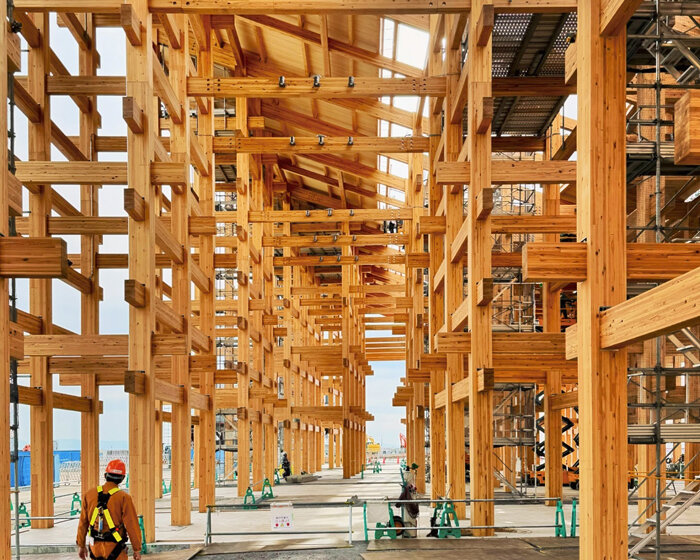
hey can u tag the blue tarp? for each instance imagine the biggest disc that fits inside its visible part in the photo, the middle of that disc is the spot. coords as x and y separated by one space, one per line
24 466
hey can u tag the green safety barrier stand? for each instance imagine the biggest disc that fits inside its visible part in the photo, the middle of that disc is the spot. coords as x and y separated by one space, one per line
167 488
387 529
447 515
362 472
377 467
559 521
126 484
267 490
144 546
75 504
249 501
277 475
573 518
23 512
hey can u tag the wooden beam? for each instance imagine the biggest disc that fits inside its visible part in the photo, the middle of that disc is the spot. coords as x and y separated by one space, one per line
310 7
566 262
614 15
662 310
131 24
507 172
342 145
328 88
33 257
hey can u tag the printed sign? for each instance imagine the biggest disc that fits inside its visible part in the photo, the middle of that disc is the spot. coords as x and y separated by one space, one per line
281 516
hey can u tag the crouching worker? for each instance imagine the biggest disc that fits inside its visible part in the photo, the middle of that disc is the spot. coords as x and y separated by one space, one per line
108 520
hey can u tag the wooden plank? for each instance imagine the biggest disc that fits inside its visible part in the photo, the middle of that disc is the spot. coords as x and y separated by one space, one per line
324 144
685 129
561 401
329 88
71 172
131 24
33 257
662 310
328 7
615 14
645 261
507 172
76 345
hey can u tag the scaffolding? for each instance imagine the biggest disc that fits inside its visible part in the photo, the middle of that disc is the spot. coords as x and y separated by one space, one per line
674 60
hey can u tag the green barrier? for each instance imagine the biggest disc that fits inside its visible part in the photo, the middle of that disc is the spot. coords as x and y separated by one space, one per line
249 500
446 513
573 518
144 546
559 521
167 488
23 512
75 504
380 529
377 467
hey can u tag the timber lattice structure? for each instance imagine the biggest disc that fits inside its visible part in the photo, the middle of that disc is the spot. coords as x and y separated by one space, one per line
281 207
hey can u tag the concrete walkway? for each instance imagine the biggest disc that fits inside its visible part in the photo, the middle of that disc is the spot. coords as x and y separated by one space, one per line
326 525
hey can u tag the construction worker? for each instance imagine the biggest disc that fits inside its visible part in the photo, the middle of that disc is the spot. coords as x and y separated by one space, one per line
108 519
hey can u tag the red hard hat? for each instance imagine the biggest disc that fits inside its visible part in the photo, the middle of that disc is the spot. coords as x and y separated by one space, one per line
116 466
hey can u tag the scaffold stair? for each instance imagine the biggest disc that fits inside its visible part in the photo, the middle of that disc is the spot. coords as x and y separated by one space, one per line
672 510
503 480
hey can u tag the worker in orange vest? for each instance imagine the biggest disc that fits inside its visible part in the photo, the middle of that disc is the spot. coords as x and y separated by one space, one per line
108 519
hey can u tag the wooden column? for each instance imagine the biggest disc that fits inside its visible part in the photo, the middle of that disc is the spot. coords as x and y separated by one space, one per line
180 134
347 375
255 319
436 298
454 285
479 266
601 185
139 85
205 190
40 296
5 523
551 314
89 303
270 428
243 264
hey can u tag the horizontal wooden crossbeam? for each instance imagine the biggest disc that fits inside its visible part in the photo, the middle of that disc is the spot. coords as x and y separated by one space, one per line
327 88
327 7
566 262
342 145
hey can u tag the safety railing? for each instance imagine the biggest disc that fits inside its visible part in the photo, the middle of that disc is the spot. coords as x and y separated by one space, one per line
351 506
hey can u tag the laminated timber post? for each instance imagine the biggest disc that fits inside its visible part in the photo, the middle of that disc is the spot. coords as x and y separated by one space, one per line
270 425
243 206
414 290
255 319
297 434
180 135
5 523
40 293
601 186
454 280
287 372
348 464
142 325
479 264
205 190
90 302
436 303
551 312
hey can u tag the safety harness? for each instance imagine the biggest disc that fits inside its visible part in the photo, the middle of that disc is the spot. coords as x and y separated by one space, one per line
110 533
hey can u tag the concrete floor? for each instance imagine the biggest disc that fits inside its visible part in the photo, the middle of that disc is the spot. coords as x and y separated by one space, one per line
518 522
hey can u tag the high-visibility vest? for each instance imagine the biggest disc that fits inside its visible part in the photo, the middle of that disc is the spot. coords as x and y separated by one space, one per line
101 514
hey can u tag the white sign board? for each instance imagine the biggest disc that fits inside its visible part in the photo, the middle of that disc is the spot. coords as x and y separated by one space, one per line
281 516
